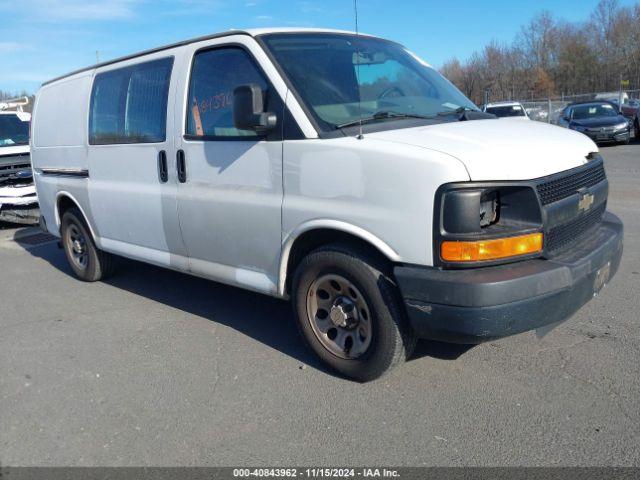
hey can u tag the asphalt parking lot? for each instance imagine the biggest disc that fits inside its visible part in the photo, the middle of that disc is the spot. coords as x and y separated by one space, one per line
158 368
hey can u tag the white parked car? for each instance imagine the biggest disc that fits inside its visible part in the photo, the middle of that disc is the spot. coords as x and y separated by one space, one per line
614 97
18 201
510 110
339 171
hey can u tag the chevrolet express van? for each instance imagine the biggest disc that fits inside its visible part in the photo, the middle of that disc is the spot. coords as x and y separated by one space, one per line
336 170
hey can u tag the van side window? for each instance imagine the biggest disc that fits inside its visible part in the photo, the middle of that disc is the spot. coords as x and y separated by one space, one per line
215 75
129 105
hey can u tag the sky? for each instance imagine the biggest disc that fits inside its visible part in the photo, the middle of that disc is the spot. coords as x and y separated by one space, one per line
41 39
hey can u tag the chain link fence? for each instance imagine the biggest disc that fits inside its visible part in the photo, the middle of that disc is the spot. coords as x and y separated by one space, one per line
549 109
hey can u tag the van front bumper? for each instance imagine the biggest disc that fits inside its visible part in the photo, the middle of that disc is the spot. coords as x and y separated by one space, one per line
477 305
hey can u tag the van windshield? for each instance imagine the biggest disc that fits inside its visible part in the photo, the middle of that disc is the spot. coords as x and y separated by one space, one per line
342 77
13 131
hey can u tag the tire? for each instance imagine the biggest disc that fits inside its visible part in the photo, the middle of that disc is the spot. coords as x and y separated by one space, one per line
382 336
637 129
88 263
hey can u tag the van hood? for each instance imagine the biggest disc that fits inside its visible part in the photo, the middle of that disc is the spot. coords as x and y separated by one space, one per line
499 150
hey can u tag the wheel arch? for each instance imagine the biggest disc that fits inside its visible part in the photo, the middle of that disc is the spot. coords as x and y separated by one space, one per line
66 200
314 234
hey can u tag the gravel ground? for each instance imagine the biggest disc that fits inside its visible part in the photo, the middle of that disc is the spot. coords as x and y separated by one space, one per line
158 368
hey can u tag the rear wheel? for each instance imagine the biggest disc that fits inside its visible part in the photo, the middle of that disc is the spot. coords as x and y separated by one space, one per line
350 313
87 262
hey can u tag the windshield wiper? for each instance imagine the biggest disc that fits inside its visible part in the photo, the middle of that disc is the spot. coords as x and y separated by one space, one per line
466 113
383 115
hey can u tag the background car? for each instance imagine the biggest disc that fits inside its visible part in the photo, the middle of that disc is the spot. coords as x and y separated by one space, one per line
600 121
18 200
631 110
537 113
614 97
506 110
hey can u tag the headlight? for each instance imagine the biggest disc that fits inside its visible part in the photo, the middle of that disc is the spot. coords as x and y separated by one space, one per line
486 223
488 208
624 125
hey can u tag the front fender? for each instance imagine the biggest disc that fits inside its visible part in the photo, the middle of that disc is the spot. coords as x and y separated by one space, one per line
328 224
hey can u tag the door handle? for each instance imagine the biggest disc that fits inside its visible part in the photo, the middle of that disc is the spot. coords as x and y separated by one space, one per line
181 166
163 172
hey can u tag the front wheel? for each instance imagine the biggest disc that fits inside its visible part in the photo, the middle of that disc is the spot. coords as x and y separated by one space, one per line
350 313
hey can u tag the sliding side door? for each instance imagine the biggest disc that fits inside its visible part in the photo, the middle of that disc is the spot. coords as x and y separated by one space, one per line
132 185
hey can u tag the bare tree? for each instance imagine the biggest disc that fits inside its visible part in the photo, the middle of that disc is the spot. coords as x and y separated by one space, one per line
551 57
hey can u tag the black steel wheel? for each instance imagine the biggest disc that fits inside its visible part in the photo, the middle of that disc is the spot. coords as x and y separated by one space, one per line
87 262
349 311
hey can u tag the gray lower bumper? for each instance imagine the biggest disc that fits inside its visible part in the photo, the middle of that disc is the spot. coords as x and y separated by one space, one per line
473 306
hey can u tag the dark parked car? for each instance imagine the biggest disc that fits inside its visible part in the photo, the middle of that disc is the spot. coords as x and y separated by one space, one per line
631 110
600 121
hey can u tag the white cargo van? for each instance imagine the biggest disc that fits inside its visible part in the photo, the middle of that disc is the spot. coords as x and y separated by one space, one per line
339 171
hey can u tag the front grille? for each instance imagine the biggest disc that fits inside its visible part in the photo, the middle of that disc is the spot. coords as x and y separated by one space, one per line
568 233
14 167
564 187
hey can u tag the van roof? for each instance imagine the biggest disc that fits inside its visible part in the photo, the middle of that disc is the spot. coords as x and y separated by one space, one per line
254 32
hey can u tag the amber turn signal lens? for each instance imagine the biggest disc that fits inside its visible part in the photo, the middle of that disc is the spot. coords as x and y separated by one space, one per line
498 248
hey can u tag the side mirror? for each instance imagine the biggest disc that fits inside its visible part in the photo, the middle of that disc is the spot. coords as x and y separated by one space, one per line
248 109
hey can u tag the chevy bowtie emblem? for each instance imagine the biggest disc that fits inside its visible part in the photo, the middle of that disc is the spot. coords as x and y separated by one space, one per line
585 202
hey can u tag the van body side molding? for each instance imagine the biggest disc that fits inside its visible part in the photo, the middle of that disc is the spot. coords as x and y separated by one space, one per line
64 172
